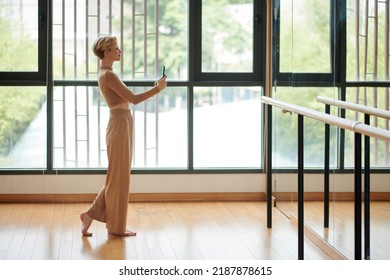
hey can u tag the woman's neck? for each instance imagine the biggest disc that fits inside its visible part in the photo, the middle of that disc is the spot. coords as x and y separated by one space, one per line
105 67
106 64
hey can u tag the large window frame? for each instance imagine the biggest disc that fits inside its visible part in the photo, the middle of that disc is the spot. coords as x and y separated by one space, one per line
336 78
39 78
253 79
197 78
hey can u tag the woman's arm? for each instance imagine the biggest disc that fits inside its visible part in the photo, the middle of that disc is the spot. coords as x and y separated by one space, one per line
121 89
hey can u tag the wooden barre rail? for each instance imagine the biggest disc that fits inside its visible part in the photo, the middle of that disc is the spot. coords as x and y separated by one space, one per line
355 107
354 126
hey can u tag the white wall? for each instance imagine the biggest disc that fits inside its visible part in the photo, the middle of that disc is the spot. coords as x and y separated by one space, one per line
183 183
337 182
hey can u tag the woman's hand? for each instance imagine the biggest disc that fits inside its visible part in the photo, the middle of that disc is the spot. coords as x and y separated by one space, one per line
161 83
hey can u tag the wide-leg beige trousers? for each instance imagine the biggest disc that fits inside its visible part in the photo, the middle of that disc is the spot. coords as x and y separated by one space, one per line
110 205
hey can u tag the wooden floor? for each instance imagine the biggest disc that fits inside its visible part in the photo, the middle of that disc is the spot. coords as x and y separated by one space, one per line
182 230
340 233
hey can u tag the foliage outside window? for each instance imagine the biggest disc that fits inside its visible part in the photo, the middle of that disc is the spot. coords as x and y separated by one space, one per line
147 32
379 149
22 108
305 37
286 127
150 34
227 36
368 61
19 36
367 41
147 42
22 127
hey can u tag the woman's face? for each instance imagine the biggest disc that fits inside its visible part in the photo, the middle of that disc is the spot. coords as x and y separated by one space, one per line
114 53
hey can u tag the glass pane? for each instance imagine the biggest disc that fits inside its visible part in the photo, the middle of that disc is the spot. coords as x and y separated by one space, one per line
367 40
227 36
306 47
146 45
19 36
286 126
227 122
81 118
379 149
78 128
161 132
22 127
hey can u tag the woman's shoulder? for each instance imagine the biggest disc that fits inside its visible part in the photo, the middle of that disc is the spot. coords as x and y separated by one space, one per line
108 75
107 72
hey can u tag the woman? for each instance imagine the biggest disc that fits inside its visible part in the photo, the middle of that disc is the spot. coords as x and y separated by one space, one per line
110 205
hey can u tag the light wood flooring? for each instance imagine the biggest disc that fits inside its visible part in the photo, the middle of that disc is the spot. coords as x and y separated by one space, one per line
340 233
165 230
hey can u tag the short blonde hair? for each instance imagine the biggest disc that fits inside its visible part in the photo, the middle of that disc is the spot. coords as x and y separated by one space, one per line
103 44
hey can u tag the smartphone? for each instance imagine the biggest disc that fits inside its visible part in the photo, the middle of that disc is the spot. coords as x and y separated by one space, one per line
163 71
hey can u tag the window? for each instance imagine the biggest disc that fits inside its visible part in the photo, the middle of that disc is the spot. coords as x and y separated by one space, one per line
367 41
376 98
23 95
23 40
367 71
147 32
227 123
286 125
80 122
227 43
305 66
23 127
164 131
303 41
227 36
223 70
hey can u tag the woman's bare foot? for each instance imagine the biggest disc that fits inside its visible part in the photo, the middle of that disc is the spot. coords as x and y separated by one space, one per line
126 233
86 222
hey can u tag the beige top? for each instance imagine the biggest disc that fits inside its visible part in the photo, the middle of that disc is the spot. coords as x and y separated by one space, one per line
116 94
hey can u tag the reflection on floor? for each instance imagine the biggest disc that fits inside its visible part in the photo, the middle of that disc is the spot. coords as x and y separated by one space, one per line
340 233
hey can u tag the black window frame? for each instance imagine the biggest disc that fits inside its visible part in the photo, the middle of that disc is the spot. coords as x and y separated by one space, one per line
258 49
310 79
33 77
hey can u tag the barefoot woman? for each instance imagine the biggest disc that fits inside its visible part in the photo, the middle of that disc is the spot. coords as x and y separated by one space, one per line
110 205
